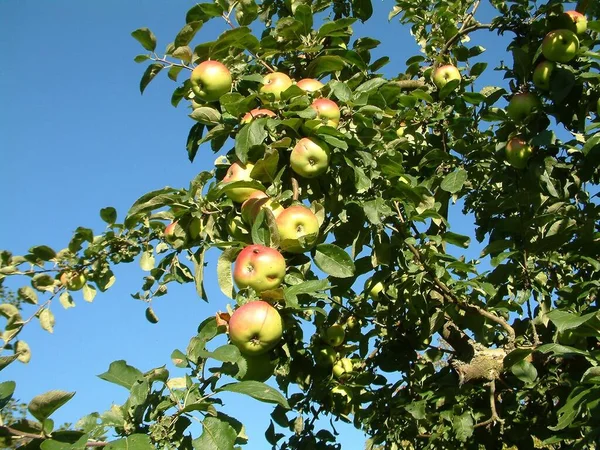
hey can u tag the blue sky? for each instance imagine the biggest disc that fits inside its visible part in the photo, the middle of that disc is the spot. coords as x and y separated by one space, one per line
76 136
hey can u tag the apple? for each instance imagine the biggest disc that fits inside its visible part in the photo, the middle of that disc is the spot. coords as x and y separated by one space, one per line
258 368
73 281
309 85
542 74
210 80
444 74
239 172
257 112
342 367
518 152
195 227
325 356
169 232
574 21
237 230
257 201
373 289
351 323
298 229
310 157
598 107
334 335
522 105
275 83
259 267
328 112
255 328
560 46
401 129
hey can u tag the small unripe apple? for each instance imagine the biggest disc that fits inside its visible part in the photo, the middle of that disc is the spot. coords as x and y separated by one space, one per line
239 172
195 228
275 83
310 157
309 85
342 367
542 75
444 74
255 328
169 232
298 229
73 281
325 356
560 46
334 335
210 80
259 267
522 105
518 152
256 113
351 323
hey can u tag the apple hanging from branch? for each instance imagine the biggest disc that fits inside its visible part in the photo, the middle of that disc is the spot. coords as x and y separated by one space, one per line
560 46
259 267
298 229
239 172
255 328
310 157
518 152
210 80
444 74
275 83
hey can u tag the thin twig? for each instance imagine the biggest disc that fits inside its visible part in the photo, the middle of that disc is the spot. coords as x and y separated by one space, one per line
170 63
254 55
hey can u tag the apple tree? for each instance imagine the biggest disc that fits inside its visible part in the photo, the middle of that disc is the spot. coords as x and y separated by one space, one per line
334 202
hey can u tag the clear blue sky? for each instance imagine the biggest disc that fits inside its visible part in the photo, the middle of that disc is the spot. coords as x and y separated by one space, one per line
76 136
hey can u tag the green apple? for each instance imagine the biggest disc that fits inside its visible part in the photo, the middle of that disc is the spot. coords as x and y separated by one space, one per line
522 105
560 46
298 229
310 157
342 367
195 228
542 75
259 267
335 335
257 112
373 289
351 323
275 83
574 21
310 85
518 152
239 172
255 328
258 368
401 130
328 112
325 356
444 74
73 281
598 106
210 80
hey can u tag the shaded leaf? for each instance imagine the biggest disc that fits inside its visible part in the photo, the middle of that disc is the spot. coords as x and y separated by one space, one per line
145 37
257 390
334 261
119 372
42 406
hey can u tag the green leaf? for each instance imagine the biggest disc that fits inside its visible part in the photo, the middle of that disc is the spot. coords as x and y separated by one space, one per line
133 442
337 28
216 434
557 349
89 292
147 262
66 300
187 33
454 181
363 9
325 65
564 320
47 320
224 271
151 201
43 252
119 372
7 388
463 426
206 115
591 376
28 295
570 410
42 406
416 409
225 353
198 260
109 215
151 71
23 351
257 390
524 371
203 12
334 261
456 239
145 37
6 360
250 135
341 91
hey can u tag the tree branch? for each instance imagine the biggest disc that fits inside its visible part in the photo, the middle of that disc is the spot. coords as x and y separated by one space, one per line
254 55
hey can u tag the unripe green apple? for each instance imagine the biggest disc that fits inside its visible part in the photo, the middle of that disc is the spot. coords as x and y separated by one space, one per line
325 356
373 288
255 328
444 74
342 367
298 229
310 85
542 75
275 83
351 323
255 113
560 46
335 335
210 80
239 172
522 105
73 281
259 267
518 152
310 157
169 232
195 227
258 368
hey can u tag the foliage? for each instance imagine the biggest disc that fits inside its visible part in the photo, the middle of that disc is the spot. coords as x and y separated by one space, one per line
500 352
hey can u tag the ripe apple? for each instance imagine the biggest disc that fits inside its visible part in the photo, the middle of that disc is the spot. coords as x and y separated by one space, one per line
73 281
342 367
444 74
259 267
310 157
574 21
522 105
255 328
275 83
257 201
325 356
239 172
560 46
210 80
328 112
258 368
169 232
257 112
309 84
334 335
518 152
542 74
298 229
